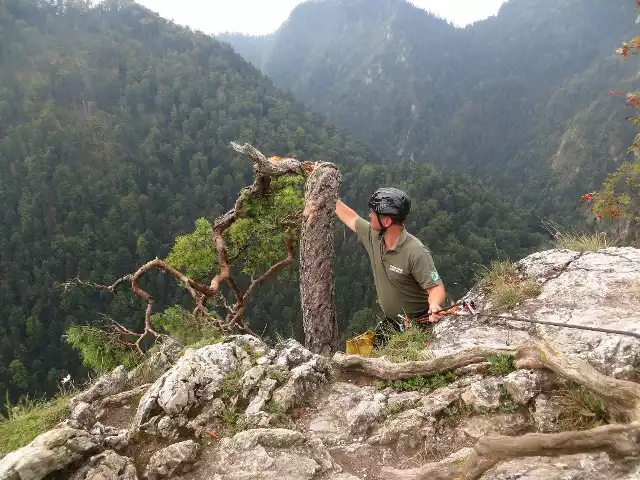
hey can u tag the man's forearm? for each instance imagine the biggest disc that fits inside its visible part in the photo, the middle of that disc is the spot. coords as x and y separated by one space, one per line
347 215
436 296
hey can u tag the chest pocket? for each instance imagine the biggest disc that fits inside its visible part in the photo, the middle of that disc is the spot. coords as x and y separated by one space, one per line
398 272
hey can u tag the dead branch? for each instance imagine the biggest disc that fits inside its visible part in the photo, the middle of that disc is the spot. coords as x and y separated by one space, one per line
616 440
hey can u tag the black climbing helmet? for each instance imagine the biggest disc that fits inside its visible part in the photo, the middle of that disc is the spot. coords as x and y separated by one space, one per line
391 202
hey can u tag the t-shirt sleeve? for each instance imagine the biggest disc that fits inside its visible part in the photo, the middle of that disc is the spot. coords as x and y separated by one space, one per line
424 270
363 232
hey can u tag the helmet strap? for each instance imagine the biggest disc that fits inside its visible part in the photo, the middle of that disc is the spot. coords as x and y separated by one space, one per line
382 228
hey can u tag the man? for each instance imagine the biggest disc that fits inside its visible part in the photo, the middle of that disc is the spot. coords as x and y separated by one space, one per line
406 279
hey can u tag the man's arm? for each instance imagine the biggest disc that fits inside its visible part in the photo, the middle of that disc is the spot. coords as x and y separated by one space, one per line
437 297
347 215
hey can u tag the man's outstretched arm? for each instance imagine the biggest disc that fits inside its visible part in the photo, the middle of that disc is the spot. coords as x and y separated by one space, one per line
347 215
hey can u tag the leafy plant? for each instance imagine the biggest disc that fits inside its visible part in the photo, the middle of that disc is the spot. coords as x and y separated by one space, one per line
501 364
193 253
182 325
432 382
257 238
279 374
231 384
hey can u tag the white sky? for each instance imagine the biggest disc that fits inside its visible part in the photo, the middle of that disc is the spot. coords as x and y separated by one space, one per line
257 17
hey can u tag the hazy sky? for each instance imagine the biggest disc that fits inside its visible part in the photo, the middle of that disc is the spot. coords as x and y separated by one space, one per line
264 16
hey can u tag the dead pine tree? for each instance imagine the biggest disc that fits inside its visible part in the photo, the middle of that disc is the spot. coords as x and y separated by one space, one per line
315 224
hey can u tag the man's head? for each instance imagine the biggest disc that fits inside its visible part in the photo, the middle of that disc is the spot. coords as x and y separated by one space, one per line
388 206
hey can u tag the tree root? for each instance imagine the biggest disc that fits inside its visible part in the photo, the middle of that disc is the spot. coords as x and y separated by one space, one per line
386 370
618 440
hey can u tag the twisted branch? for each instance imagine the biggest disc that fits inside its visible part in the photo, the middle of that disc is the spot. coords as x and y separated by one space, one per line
263 169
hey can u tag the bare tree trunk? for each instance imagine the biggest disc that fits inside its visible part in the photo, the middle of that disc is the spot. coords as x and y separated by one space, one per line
316 260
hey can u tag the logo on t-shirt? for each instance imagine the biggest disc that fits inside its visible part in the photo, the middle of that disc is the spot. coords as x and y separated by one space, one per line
434 276
395 269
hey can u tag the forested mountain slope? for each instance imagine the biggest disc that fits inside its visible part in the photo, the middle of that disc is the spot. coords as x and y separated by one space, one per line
520 98
114 138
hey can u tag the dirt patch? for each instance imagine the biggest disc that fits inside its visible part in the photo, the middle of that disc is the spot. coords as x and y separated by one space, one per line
119 417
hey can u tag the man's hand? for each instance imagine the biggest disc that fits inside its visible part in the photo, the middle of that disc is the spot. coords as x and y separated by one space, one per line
434 317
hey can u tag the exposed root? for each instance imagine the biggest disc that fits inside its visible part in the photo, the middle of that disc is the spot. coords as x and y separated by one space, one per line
386 370
618 440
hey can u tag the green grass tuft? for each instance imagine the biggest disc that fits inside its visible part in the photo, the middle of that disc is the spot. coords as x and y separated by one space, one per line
504 287
407 346
30 418
580 409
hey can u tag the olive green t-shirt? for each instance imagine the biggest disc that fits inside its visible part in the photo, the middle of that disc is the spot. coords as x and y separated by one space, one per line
402 274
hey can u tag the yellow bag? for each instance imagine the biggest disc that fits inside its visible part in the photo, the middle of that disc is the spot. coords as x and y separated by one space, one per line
362 344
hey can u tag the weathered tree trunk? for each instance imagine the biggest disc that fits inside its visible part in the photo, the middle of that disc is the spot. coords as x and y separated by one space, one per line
316 260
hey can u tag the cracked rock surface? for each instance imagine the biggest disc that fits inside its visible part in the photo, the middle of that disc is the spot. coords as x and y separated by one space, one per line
598 289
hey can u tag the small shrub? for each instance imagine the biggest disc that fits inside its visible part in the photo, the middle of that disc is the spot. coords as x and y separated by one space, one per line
28 419
231 385
456 411
432 382
279 417
501 364
392 409
380 384
580 241
279 375
584 242
505 288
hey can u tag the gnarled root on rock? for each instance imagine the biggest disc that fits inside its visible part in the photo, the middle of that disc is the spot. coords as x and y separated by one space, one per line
617 440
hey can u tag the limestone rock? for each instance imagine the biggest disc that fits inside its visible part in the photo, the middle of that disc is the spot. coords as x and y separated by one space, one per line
111 384
349 412
176 458
583 288
511 424
408 430
267 454
195 378
303 379
546 414
436 402
107 466
50 452
159 362
592 290
523 385
485 393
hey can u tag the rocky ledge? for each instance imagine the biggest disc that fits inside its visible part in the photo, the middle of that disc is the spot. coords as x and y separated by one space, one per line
494 399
